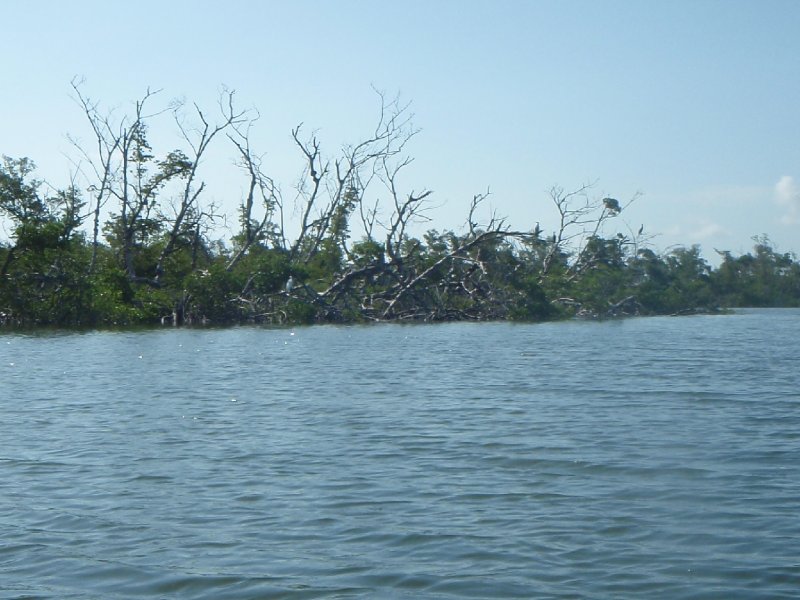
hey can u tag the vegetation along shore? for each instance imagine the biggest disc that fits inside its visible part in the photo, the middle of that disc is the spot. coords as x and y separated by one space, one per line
133 245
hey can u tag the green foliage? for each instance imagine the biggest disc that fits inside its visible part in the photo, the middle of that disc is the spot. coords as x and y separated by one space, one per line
300 312
111 297
211 292
270 269
19 196
366 252
532 303
765 278
322 264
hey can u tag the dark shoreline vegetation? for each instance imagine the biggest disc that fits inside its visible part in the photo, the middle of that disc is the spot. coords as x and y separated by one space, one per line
130 244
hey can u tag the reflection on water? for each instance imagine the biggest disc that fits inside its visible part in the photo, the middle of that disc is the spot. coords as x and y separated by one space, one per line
644 458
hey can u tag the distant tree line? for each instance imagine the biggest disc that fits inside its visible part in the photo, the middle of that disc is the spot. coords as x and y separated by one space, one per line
132 244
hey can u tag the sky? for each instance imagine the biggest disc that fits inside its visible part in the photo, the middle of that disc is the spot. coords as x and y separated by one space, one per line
691 107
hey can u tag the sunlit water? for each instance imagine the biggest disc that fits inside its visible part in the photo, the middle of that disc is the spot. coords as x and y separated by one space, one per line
645 458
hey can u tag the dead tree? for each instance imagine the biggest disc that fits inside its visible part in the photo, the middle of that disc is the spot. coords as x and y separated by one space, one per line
119 171
412 284
107 140
580 218
262 188
124 169
186 214
467 251
331 190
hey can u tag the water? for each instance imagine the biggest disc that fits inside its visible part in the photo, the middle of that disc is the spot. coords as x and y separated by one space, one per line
654 458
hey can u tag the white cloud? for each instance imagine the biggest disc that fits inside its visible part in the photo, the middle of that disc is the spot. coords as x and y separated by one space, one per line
707 229
726 197
725 217
787 195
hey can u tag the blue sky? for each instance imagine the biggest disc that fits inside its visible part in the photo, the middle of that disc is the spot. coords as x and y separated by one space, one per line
693 104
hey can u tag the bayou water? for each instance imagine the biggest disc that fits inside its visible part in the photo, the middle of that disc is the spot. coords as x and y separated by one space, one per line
655 458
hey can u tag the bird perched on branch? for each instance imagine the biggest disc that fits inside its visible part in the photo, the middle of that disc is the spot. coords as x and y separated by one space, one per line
289 284
612 205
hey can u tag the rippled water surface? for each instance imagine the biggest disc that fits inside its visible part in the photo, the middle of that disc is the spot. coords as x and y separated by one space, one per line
654 458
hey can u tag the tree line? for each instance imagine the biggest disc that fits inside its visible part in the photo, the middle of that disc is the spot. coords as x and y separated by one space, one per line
129 240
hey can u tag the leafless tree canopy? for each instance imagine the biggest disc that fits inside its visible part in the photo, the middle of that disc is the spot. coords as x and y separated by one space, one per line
346 237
